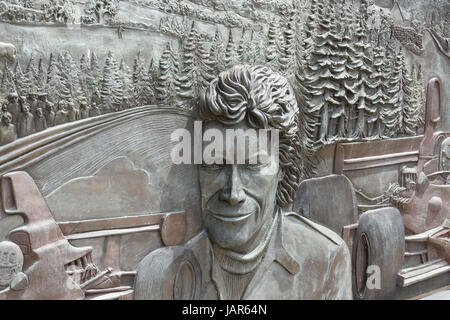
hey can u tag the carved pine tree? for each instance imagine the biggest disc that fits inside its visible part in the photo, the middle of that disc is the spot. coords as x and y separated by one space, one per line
310 27
379 98
409 115
140 80
94 74
54 83
240 50
419 98
83 77
71 77
149 89
286 59
304 44
20 80
387 69
8 84
230 52
307 126
346 76
195 70
321 80
303 61
127 83
272 45
166 84
393 119
255 49
31 76
153 71
362 64
308 115
65 91
348 114
118 89
108 84
217 52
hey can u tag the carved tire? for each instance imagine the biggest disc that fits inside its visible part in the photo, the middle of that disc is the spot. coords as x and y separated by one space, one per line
168 273
379 241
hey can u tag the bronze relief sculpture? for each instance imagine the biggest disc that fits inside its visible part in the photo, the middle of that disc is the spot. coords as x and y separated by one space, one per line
248 250
257 249
311 140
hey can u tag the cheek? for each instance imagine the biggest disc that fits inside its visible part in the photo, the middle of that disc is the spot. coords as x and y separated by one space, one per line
210 184
261 183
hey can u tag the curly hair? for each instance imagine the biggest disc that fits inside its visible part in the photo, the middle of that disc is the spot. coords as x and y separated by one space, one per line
265 100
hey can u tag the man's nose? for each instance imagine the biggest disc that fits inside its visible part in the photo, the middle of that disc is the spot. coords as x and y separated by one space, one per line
233 193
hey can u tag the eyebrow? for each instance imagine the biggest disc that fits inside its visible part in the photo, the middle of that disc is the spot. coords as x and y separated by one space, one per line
219 158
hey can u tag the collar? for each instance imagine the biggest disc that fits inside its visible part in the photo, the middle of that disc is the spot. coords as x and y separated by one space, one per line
279 251
276 252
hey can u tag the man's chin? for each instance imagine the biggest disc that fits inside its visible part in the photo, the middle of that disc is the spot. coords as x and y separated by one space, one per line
229 238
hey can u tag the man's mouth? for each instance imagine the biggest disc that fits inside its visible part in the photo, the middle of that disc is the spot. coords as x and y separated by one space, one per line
230 218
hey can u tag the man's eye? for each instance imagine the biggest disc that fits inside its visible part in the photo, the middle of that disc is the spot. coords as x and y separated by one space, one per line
212 167
255 166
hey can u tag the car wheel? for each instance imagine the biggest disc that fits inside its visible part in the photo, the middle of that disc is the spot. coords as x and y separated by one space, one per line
378 251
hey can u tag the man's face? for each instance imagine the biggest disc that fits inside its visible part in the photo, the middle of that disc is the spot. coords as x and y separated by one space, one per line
445 155
238 199
6 119
11 263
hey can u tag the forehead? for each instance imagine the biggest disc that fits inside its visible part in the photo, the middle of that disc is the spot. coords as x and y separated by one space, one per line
217 125
236 133
240 142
